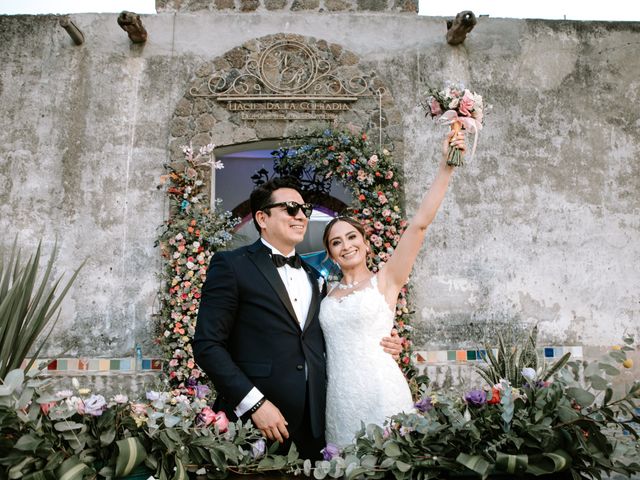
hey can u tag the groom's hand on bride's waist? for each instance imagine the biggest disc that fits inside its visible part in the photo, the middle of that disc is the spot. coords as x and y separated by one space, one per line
271 422
392 344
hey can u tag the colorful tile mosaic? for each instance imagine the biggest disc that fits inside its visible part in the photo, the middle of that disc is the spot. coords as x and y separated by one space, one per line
98 365
473 355
131 364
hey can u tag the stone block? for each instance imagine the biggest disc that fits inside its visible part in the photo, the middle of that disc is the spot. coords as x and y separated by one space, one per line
305 5
179 126
249 5
275 4
372 5
409 6
200 140
236 57
225 4
201 105
205 122
338 5
183 108
348 58
175 148
335 49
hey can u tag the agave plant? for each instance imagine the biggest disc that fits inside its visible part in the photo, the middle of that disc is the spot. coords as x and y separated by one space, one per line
509 362
27 305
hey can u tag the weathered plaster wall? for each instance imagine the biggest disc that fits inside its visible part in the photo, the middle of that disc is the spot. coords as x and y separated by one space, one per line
541 226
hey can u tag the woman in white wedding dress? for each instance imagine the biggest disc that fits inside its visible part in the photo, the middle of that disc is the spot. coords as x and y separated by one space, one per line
365 384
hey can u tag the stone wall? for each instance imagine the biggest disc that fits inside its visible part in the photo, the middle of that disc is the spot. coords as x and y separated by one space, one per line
410 6
541 226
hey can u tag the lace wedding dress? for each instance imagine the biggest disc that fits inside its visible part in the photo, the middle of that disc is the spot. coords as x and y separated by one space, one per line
364 382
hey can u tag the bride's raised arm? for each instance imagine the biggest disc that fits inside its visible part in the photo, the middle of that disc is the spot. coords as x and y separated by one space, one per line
397 269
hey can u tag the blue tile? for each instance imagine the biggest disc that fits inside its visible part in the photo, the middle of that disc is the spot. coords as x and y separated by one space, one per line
146 364
548 352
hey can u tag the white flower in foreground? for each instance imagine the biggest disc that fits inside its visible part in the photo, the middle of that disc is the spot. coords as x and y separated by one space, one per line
529 374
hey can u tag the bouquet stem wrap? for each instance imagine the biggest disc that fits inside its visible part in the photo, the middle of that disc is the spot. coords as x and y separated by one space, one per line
457 123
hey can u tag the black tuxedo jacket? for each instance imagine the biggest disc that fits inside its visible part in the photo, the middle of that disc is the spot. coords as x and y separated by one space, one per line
247 335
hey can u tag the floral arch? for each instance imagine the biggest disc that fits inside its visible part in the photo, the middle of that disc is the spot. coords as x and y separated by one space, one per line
194 231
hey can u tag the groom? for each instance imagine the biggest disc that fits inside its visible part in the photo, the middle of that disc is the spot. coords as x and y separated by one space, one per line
258 336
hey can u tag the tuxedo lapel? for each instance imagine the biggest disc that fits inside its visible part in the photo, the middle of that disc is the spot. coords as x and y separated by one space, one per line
259 254
315 296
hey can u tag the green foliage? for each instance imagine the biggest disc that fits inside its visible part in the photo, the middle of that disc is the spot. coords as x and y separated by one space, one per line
509 362
579 427
27 305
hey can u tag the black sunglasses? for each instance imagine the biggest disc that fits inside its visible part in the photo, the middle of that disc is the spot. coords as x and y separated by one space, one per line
292 208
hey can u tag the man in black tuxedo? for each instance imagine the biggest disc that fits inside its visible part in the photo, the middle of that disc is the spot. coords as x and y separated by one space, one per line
258 336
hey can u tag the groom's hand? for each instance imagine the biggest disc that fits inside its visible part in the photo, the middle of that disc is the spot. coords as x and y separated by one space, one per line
392 344
271 422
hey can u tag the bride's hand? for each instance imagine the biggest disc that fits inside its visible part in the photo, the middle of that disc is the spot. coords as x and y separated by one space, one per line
453 139
271 422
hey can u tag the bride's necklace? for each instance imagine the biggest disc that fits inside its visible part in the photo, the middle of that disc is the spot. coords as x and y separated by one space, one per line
348 286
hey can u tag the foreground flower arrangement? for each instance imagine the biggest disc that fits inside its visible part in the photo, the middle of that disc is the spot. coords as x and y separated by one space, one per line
535 420
75 434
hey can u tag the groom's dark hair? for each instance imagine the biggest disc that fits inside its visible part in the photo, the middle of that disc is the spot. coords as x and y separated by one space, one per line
261 195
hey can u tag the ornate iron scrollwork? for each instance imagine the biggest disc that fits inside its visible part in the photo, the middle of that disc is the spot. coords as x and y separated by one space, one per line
286 70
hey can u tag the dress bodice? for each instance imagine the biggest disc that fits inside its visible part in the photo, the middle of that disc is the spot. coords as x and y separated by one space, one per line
357 321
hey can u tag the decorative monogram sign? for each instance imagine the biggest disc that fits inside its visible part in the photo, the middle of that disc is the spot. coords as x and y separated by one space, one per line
288 80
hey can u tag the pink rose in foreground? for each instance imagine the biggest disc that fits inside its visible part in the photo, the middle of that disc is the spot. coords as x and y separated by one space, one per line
45 407
206 416
139 408
466 104
221 421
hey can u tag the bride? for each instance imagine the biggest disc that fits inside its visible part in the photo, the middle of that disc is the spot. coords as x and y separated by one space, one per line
364 383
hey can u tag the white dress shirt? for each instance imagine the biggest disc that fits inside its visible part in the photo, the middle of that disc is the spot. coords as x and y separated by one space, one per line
300 292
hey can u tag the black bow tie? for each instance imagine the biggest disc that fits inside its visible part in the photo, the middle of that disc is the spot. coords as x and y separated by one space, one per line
281 261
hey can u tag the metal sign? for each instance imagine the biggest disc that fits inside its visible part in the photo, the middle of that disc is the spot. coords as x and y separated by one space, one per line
288 80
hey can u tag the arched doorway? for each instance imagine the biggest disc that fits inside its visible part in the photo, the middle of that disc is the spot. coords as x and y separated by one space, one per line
246 165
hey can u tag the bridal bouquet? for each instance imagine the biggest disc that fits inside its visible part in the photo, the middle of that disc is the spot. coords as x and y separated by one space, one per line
461 109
